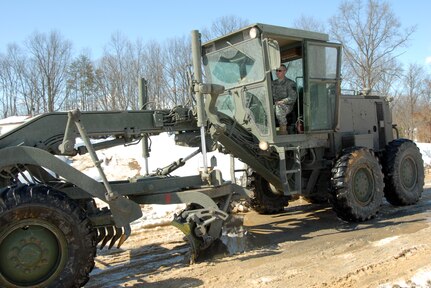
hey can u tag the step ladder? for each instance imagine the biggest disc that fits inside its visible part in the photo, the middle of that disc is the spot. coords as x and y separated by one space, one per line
291 175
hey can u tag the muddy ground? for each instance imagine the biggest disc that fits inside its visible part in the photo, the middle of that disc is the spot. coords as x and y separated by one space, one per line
306 246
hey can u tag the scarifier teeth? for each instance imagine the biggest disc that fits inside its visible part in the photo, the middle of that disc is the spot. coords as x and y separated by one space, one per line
101 232
108 236
112 234
123 238
118 233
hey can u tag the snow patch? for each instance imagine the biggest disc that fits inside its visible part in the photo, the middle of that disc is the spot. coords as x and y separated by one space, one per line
157 215
422 278
425 149
14 120
385 241
7 124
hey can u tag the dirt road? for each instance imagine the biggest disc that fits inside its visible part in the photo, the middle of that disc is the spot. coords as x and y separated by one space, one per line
306 246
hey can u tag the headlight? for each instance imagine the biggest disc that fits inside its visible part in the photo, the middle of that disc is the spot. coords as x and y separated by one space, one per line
263 145
253 33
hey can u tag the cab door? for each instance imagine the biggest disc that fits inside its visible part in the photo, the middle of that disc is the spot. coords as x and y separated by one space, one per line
321 85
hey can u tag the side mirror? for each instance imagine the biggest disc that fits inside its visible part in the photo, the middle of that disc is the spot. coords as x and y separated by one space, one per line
273 54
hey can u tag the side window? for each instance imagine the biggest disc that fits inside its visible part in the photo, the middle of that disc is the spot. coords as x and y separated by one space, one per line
323 64
294 71
320 103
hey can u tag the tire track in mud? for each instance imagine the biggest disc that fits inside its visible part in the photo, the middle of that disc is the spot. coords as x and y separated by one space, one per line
389 266
163 248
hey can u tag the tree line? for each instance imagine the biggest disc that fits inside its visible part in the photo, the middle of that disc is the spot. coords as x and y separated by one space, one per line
43 75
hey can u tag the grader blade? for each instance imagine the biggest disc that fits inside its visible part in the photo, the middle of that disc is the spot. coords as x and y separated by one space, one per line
194 242
201 227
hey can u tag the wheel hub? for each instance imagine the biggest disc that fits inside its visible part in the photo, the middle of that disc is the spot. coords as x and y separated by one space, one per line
408 173
31 254
28 256
363 186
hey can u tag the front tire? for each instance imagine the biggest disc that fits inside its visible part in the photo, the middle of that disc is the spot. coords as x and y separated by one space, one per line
266 199
404 172
46 240
357 185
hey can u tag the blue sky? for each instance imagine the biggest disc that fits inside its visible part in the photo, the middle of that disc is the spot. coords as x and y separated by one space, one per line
89 24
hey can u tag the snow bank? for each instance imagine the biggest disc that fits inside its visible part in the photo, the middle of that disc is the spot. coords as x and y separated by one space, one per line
426 152
123 162
7 124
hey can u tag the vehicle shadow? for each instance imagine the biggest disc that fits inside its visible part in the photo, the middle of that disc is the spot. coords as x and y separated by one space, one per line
139 282
303 221
170 283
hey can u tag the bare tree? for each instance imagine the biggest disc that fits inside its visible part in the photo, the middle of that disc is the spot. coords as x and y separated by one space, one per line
407 112
17 78
50 56
309 23
390 81
223 25
154 71
118 73
425 112
372 37
9 81
177 65
136 72
81 85
33 95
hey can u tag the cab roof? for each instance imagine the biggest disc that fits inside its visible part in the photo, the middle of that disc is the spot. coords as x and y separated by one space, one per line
271 31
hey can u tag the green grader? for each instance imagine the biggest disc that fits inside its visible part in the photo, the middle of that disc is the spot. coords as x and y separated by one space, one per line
339 148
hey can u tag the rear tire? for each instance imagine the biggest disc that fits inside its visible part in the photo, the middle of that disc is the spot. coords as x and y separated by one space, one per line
404 172
357 185
46 239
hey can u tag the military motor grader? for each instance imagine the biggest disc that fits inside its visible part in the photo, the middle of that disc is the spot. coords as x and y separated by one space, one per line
339 147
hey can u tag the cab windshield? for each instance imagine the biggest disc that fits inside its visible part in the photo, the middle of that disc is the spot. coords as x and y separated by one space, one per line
235 65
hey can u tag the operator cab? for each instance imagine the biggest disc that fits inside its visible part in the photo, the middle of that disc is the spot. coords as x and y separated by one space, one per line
244 62
313 63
